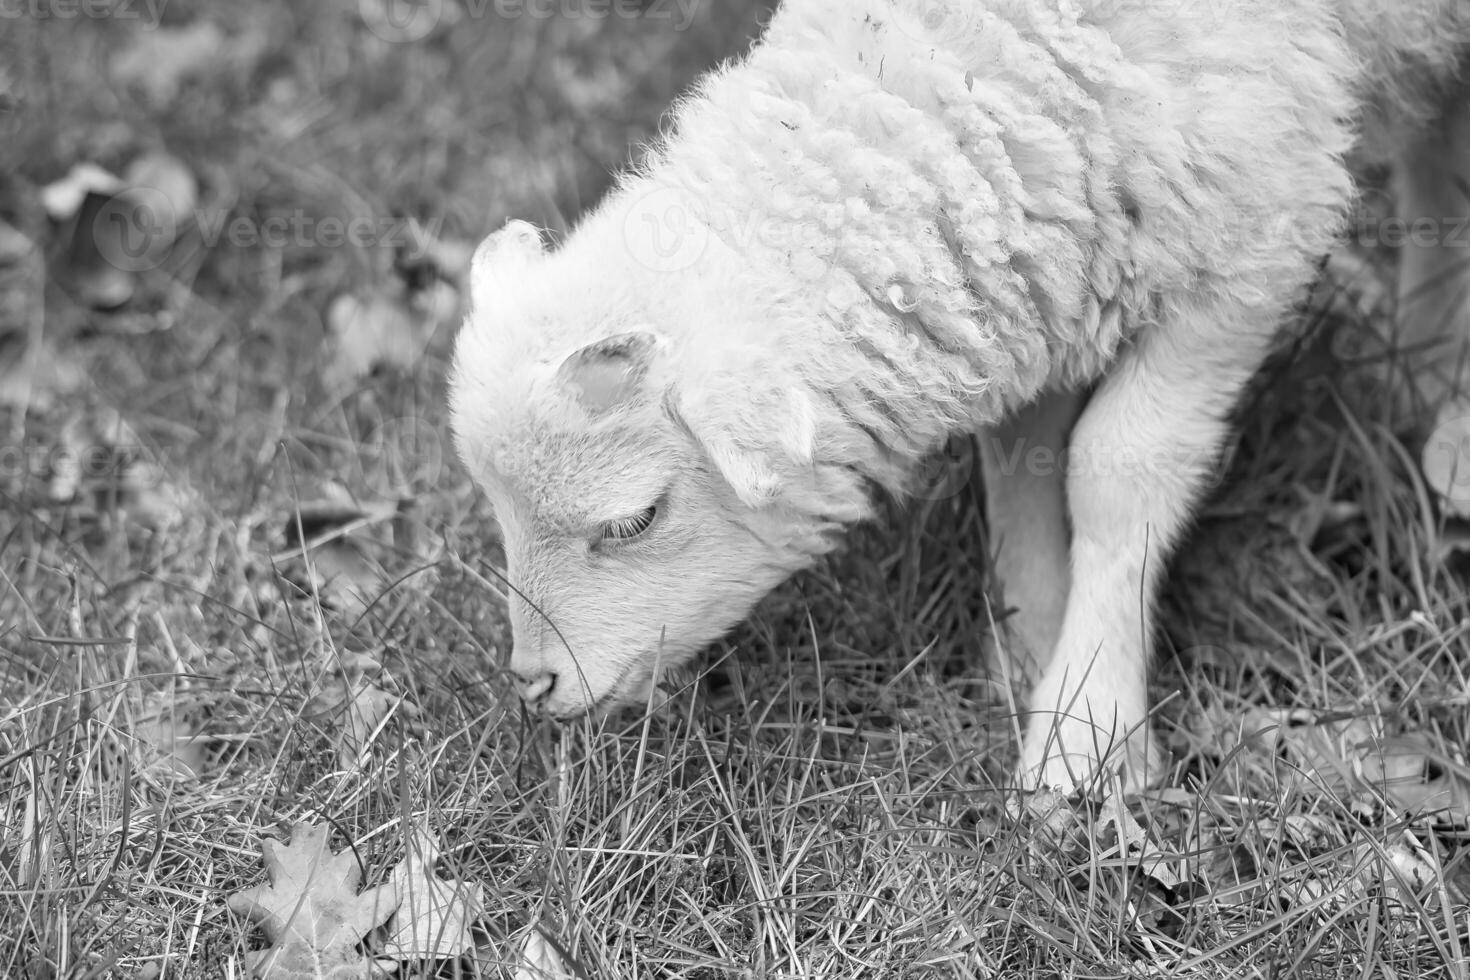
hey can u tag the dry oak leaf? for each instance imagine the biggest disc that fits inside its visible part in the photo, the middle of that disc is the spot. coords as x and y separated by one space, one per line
324 534
1417 775
1446 458
311 910
352 701
541 959
388 327
434 915
1135 846
167 742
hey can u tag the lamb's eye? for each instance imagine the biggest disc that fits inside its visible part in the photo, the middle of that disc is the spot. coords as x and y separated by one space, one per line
627 528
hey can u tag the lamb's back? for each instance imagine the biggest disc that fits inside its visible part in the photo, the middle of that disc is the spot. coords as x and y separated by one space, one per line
1016 190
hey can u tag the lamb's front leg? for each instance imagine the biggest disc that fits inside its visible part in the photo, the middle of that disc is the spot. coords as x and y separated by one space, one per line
1140 456
1023 461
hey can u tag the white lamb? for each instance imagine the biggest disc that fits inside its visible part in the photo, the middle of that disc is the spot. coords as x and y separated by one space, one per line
1072 223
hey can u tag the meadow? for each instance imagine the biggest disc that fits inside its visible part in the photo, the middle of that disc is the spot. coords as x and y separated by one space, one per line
245 584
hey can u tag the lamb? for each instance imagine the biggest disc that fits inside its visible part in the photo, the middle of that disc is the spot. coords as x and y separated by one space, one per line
1073 224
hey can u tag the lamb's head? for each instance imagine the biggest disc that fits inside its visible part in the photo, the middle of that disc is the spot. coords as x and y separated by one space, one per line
641 517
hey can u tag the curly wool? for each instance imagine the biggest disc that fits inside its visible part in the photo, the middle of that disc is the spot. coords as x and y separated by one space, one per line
922 214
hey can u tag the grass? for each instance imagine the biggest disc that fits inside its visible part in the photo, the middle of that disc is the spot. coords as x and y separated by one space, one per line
829 797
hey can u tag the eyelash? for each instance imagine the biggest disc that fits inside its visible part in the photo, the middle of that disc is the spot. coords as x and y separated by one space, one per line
629 528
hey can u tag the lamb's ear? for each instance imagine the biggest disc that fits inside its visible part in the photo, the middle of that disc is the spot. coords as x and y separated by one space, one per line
753 481
610 372
518 242
746 447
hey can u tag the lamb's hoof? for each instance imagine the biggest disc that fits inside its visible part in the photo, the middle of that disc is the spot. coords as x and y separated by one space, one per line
1074 757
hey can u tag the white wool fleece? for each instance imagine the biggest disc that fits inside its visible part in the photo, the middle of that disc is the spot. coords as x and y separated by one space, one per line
891 222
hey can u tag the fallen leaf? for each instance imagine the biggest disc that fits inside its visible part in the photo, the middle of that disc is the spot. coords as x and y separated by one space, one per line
100 466
448 258
166 743
542 960
346 577
342 544
335 514
36 377
1446 458
385 328
122 228
354 705
364 712
33 840
311 910
1402 869
1453 541
1355 289
1133 843
1319 744
163 193
1324 748
1221 862
1403 768
324 534
32 375
99 264
434 914
1351 755
1052 823
63 198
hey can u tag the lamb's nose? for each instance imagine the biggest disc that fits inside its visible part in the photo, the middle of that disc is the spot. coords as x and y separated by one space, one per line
534 688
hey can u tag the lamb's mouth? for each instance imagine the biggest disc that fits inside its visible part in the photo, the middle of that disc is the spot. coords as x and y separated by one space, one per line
609 700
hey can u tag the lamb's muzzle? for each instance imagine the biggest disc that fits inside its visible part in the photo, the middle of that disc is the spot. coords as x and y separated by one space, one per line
534 687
